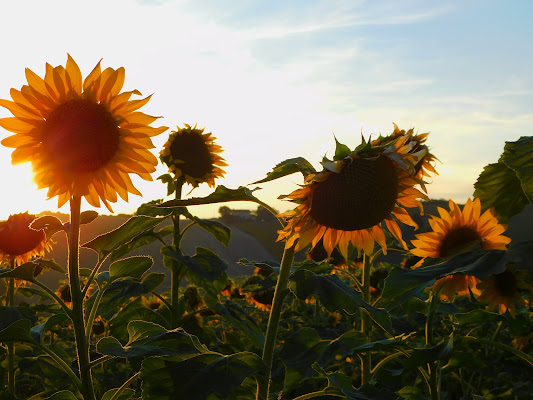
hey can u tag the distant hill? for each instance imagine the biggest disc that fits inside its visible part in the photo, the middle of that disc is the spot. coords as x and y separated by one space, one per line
253 237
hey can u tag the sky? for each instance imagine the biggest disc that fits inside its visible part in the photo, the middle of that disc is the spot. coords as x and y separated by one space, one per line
274 80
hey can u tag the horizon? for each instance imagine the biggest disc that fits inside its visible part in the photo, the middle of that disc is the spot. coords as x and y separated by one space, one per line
281 80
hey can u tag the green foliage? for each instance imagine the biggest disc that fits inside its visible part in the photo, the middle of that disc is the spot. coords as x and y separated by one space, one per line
289 167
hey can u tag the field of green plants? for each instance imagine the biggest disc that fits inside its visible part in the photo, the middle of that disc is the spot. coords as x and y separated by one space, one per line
451 321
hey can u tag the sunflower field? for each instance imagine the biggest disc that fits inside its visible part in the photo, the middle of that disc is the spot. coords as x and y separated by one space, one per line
451 320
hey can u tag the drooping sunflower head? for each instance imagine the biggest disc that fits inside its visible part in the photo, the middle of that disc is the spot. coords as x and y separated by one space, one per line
458 230
192 154
82 137
19 241
502 291
357 191
457 284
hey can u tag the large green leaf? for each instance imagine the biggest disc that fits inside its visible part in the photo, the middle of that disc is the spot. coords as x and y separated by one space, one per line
402 284
221 195
479 317
289 167
49 224
220 231
499 187
133 267
13 327
148 339
126 394
196 377
204 269
38 331
441 351
25 272
335 295
62 395
519 156
135 226
238 317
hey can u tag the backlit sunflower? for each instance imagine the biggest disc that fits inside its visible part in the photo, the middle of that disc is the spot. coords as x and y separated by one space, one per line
456 231
19 241
192 154
82 137
424 167
353 195
502 291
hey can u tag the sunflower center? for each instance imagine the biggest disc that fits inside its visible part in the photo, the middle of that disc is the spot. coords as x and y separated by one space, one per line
362 195
505 284
458 240
81 136
191 148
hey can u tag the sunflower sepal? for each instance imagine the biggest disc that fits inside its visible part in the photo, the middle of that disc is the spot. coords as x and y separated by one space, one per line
341 150
288 167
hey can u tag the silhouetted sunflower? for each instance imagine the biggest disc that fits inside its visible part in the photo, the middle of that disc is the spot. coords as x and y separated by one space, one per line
193 155
353 195
454 232
502 291
82 137
19 241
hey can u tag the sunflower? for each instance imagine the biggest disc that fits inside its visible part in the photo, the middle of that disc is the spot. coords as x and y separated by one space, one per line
502 291
192 154
82 137
424 167
19 241
456 231
456 284
353 195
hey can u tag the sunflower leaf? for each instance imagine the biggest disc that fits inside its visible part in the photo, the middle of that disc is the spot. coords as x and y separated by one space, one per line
499 187
221 195
402 284
289 167
125 394
335 295
196 377
87 217
38 330
133 227
49 224
134 267
519 157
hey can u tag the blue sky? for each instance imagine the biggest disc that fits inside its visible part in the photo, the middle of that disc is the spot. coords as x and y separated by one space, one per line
276 79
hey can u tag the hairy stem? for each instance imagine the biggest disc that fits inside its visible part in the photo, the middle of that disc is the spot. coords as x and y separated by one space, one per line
175 277
78 322
11 345
263 382
366 358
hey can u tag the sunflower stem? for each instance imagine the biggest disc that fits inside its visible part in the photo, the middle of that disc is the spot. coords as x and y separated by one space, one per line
11 346
366 358
175 277
78 321
263 382
433 367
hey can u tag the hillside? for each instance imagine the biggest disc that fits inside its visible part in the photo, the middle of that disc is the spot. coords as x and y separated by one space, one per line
252 238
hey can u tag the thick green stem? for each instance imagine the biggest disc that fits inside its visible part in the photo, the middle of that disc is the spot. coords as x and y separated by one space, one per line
263 382
321 393
366 358
78 322
175 277
11 345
